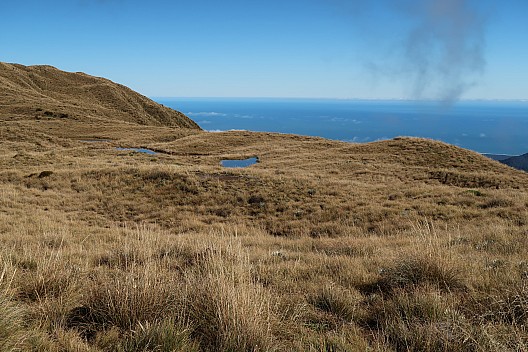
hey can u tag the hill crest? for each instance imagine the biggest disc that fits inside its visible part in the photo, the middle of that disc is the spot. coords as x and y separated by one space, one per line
44 91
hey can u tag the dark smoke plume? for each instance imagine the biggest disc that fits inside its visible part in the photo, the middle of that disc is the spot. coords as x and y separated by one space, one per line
444 51
441 54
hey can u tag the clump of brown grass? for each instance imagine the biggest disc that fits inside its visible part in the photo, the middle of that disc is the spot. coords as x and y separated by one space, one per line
342 303
46 281
346 340
502 315
122 258
12 334
409 273
166 335
124 301
497 202
506 304
227 310
419 321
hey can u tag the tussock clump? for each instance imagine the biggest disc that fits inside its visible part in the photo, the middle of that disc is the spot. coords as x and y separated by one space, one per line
337 342
12 334
159 176
468 180
45 174
183 257
179 256
338 301
121 258
256 199
497 203
25 264
287 228
420 321
411 273
227 310
48 280
507 305
330 229
166 335
124 302
496 244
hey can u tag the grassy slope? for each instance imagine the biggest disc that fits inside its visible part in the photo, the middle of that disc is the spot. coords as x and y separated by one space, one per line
44 93
407 244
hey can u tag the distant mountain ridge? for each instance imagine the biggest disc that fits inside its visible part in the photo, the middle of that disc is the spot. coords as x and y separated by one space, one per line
519 162
499 157
47 92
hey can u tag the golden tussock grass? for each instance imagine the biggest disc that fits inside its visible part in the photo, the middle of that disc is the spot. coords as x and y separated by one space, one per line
400 245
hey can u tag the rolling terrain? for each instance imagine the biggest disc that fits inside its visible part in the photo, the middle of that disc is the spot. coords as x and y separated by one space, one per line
405 244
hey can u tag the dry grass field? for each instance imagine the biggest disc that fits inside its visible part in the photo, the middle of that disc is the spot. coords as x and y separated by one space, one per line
399 245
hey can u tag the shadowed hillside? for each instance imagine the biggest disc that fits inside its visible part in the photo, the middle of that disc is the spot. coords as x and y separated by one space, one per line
44 92
519 162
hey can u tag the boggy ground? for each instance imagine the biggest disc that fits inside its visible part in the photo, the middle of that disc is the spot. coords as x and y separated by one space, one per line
407 244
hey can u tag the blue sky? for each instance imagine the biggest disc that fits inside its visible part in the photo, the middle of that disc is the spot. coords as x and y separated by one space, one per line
378 49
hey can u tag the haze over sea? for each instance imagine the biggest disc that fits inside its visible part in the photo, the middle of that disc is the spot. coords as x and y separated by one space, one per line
496 127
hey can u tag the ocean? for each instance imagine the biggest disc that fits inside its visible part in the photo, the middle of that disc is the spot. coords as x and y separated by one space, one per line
496 127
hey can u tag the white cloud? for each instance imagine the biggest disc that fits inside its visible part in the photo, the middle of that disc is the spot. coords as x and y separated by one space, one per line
342 119
338 119
206 114
357 139
244 116
230 130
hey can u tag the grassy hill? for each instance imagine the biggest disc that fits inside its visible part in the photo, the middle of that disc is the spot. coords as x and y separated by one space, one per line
405 244
44 92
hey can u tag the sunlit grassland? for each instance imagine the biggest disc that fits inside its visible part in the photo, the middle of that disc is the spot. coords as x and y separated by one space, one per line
398 245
